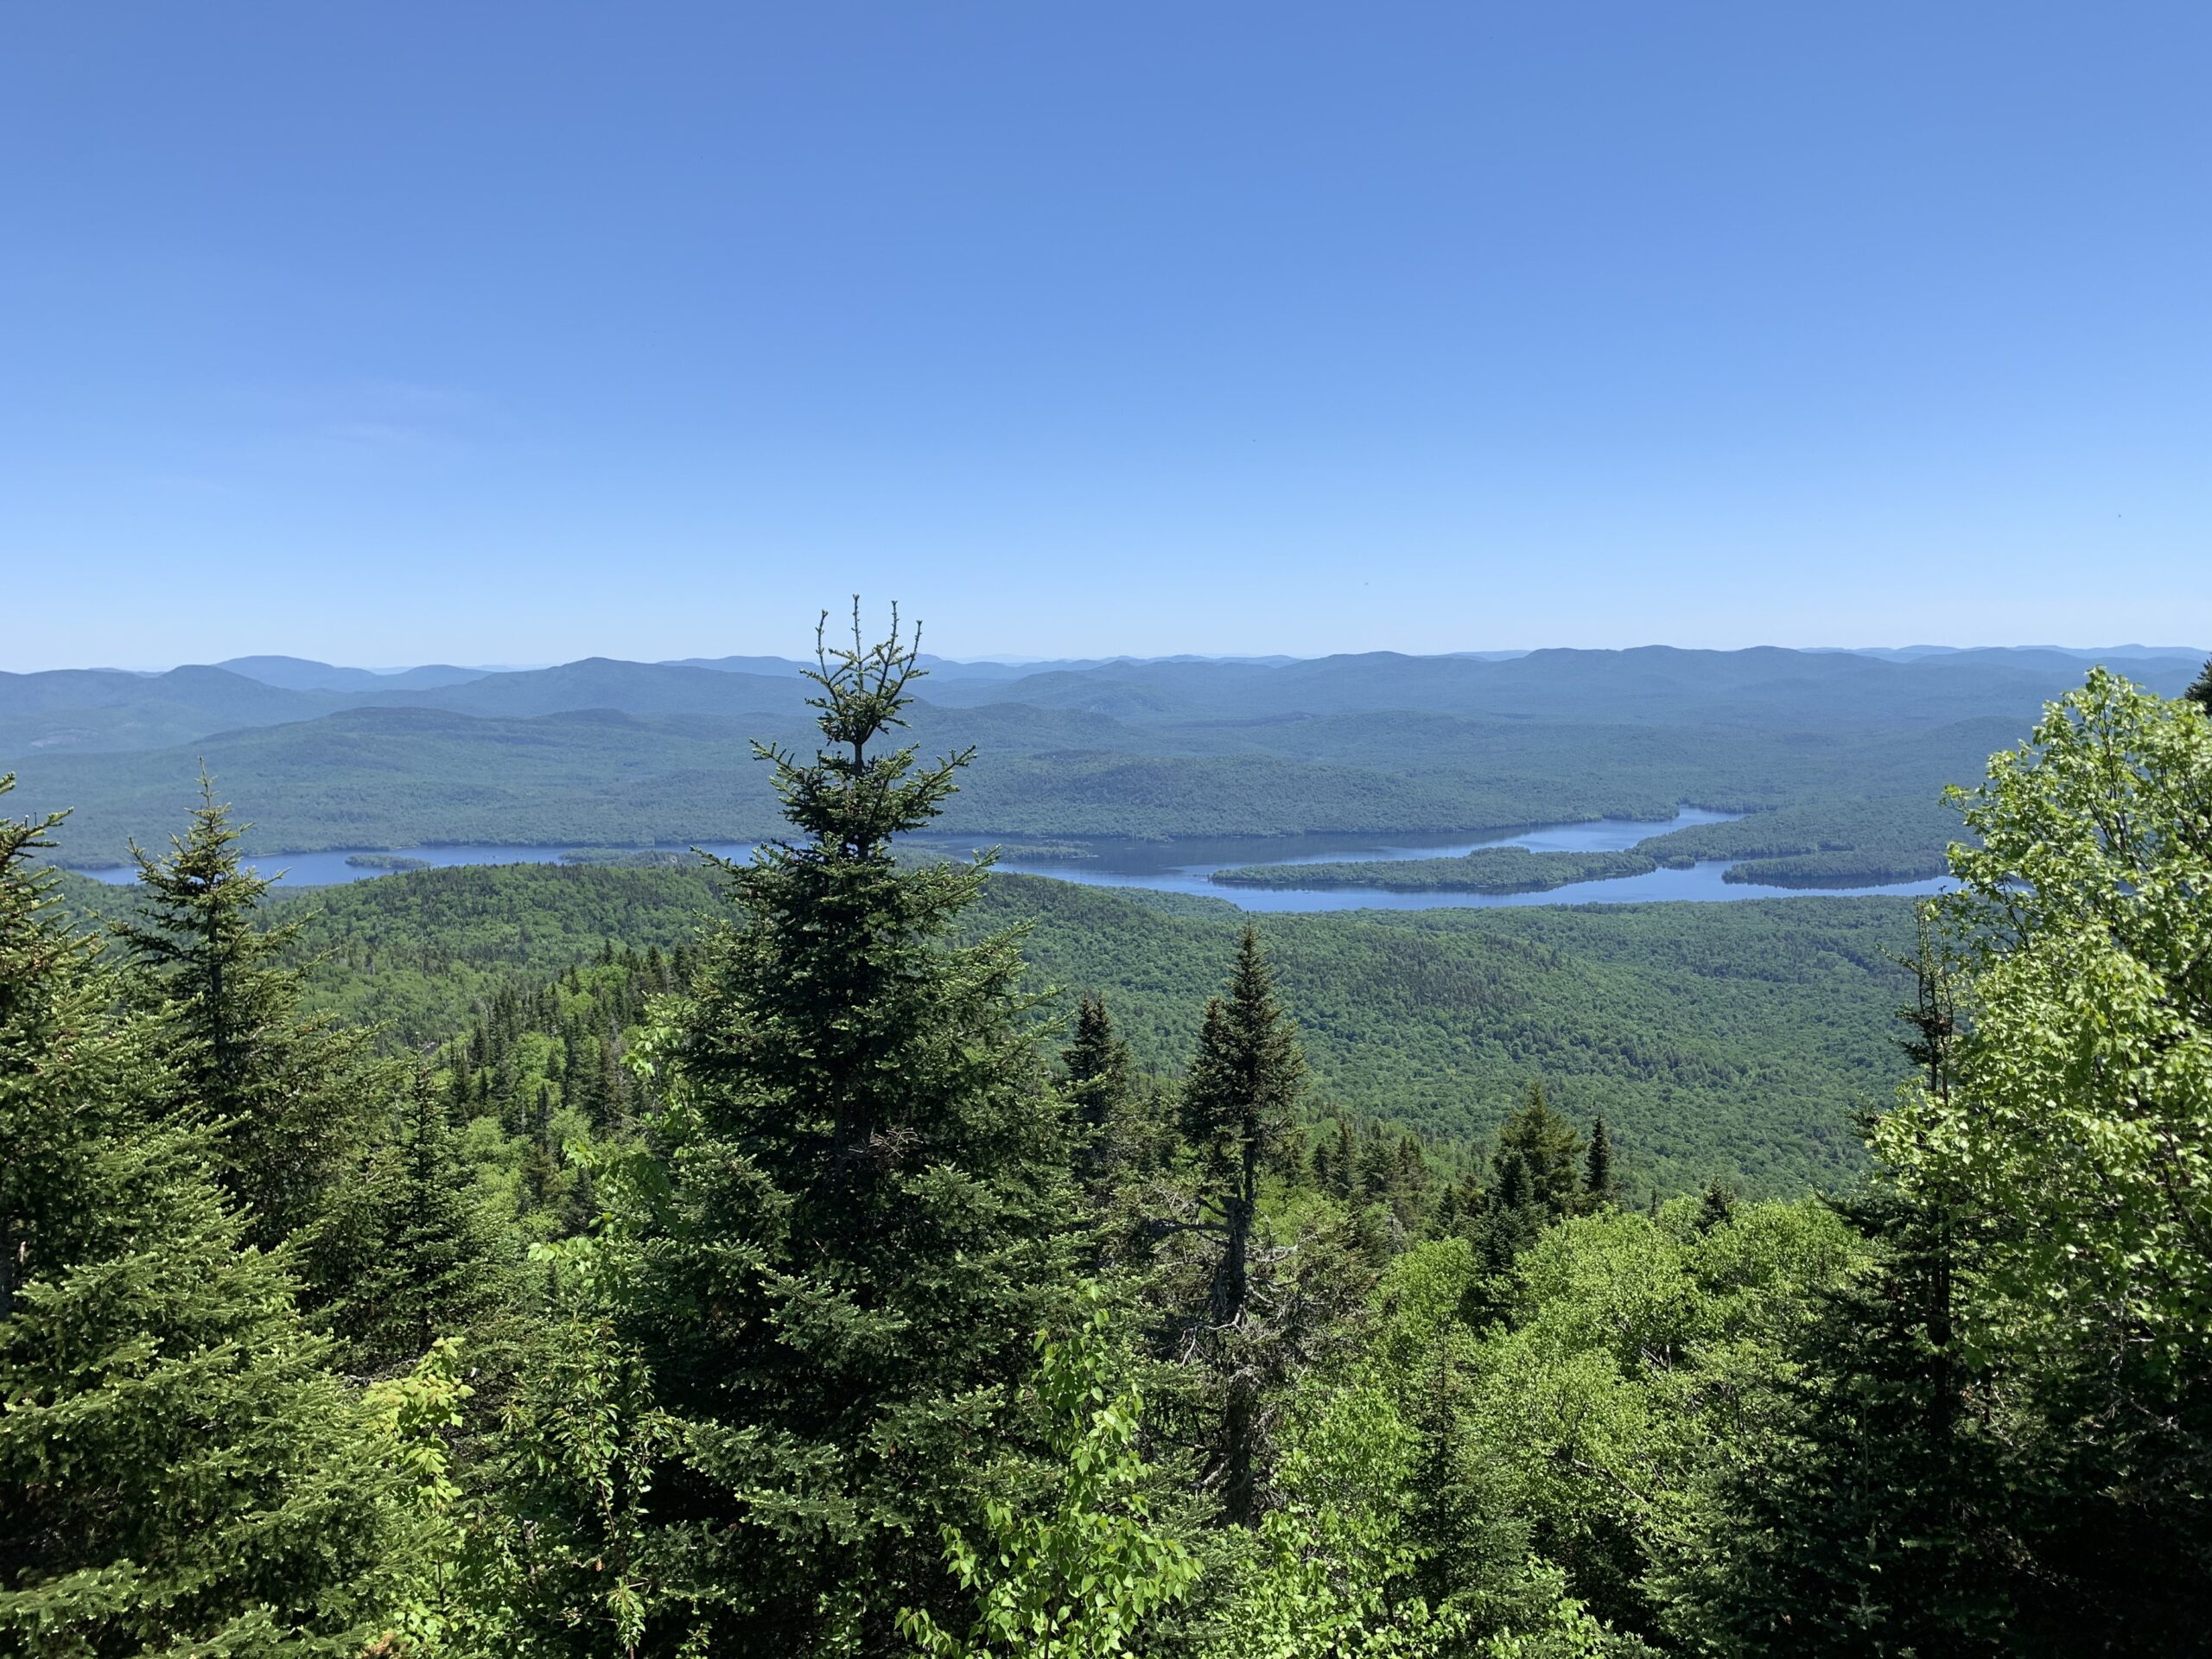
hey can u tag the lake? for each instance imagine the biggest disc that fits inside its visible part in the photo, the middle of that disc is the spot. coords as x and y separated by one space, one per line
1185 866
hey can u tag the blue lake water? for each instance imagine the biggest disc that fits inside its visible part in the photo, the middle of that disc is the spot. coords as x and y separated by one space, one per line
327 869
1185 865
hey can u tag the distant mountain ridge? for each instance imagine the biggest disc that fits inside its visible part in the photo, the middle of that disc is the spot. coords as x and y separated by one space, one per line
2080 653
980 668
106 711
1854 746
302 674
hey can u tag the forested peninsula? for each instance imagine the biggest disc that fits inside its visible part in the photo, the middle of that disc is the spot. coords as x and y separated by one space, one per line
1486 869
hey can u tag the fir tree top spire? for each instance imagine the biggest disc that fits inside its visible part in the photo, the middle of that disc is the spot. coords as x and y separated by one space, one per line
1601 1187
286 1092
1542 1140
850 802
198 915
1239 1102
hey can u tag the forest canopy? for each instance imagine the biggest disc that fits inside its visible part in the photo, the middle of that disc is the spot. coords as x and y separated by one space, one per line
746 1259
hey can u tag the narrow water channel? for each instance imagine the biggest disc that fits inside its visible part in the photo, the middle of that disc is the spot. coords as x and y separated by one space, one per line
1187 867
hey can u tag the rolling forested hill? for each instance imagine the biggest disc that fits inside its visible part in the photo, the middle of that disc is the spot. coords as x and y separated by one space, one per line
1842 755
1729 1041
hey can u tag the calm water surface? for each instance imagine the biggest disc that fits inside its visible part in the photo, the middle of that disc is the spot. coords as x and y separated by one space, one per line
1185 866
327 869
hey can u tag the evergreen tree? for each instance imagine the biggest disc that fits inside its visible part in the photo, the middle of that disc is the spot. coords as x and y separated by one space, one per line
290 1098
1601 1188
1514 1217
1716 1205
867 1205
178 1473
1536 1180
2200 688
1378 1168
1464 1202
1548 1151
1344 1162
1238 1103
1073 1576
415 1254
1409 1179
1099 1086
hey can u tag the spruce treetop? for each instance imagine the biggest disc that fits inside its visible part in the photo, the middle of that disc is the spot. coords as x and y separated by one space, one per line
1538 1138
286 1091
866 1206
1239 1100
198 903
852 803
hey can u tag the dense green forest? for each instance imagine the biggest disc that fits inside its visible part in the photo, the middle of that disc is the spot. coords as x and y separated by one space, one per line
1737 1041
768 1260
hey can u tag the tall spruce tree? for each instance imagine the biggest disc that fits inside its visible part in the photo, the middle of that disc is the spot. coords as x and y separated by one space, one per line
1099 1086
1336 1161
412 1253
1601 1187
1545 1145
1238 1112
178 1472
866 1210
290 1098
2200 688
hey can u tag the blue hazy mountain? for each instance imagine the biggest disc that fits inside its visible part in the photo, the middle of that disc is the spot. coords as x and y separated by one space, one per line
1847 751
300 674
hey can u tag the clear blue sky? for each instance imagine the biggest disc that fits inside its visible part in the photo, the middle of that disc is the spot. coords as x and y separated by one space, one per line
396 333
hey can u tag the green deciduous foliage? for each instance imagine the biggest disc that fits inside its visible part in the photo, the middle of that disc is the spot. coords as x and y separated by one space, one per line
1074 1573
2084 1095
1876 1516
417 1416
1393 1530
567 1550
1633 1367
2078 1130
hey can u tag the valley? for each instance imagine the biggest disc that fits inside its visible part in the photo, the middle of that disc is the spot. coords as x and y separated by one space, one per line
1832 763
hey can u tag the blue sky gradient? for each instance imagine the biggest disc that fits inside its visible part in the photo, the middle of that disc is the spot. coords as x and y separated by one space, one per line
413 333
